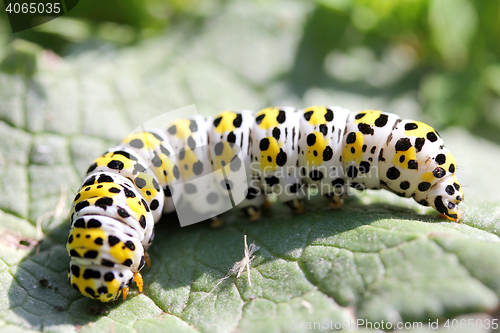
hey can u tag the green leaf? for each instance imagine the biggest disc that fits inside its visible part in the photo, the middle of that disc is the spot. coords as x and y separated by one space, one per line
379 258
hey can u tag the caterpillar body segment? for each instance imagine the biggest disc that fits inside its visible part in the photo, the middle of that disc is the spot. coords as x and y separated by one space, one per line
108 194
275 136
124 161
365 136
320 148
203 198
154 147
230 150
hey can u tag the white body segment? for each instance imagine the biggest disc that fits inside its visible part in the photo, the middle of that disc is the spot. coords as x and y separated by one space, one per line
109 226
153 146
361 159
230 152
126 206
202 197
124 161
275 134
320 148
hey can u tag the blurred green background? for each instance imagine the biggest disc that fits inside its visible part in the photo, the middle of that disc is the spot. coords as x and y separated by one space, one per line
435 59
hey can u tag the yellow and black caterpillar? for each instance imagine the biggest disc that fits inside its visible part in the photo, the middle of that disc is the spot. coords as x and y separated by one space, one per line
202 165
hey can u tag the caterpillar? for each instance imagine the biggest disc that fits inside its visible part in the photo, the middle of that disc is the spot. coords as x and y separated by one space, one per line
191 167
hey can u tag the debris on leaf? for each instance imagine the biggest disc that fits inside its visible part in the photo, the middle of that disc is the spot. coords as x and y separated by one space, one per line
16 241
240 266
246 261
307 305
44 281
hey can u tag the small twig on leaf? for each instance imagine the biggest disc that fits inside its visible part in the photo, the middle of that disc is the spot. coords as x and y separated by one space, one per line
240 266
55 213
245 262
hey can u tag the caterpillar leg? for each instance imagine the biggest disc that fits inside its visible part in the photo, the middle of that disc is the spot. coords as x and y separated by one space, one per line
216 222
138 281
334 201
267 205
125 292
253 213
147 259
297 206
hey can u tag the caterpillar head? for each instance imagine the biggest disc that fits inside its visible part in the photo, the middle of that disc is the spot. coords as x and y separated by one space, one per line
437 186
444 196
448 195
